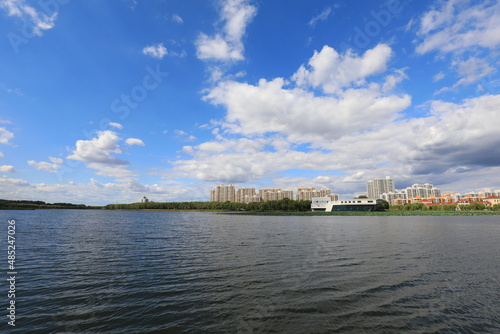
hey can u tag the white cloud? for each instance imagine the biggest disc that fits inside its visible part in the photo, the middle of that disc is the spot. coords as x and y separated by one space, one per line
299 114
44 166
1 155
56 160
99 193
9 182
7 169
322 179
471 70
39 21
99 150
16 91
323 16
116 125
227 43
157 51
358 127
184 136
332 71
118 172
439 76
134 141
354 177
5 136
456 25
177 19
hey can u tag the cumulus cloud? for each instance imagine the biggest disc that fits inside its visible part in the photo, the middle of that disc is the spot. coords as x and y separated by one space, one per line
39 21
5 136
9 182
116 125
100 193
332 71
456 25
44 166
299 114
7 169
99 150
462 134
226 44
157 51
134 141
322 179
355 125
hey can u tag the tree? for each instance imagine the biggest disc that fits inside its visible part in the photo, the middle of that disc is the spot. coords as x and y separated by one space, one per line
384 206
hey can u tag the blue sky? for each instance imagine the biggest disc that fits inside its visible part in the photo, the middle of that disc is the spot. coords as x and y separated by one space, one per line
104 102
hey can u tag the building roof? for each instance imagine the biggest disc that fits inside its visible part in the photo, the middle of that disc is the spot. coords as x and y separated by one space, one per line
446 203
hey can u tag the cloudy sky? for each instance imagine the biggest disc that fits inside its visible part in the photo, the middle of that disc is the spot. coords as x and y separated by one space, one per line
109 101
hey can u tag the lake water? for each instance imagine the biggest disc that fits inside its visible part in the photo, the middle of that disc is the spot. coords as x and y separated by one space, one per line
179 272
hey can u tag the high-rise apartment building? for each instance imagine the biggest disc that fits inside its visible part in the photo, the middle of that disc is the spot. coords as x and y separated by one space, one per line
223 193
397 196
408 195
310 192
245 195
376 187
274 194
423 191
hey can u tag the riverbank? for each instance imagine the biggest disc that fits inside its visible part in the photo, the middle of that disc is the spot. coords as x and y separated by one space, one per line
361 213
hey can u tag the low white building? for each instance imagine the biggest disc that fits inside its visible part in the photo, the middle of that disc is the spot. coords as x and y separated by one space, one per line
355 204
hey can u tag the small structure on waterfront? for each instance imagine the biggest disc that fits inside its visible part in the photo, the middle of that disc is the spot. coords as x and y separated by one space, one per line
355 204
144 200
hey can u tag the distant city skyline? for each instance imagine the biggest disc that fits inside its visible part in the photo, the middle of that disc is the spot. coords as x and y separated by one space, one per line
105 102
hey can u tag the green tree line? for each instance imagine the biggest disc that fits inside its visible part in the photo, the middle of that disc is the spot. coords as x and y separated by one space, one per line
36 205
281 205
444 207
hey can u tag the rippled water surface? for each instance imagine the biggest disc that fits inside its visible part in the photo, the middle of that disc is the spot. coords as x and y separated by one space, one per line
177 272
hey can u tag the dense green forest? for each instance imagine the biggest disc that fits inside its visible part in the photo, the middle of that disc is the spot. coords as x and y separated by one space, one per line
34 205
281 205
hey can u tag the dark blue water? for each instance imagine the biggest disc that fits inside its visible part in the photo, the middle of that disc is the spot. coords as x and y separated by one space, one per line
175 272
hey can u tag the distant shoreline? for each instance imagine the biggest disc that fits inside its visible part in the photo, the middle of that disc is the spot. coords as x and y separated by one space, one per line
373 213
335 213
300 213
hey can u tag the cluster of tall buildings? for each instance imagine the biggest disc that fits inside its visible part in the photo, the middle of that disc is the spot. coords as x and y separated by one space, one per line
223 193
380 188
384 188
